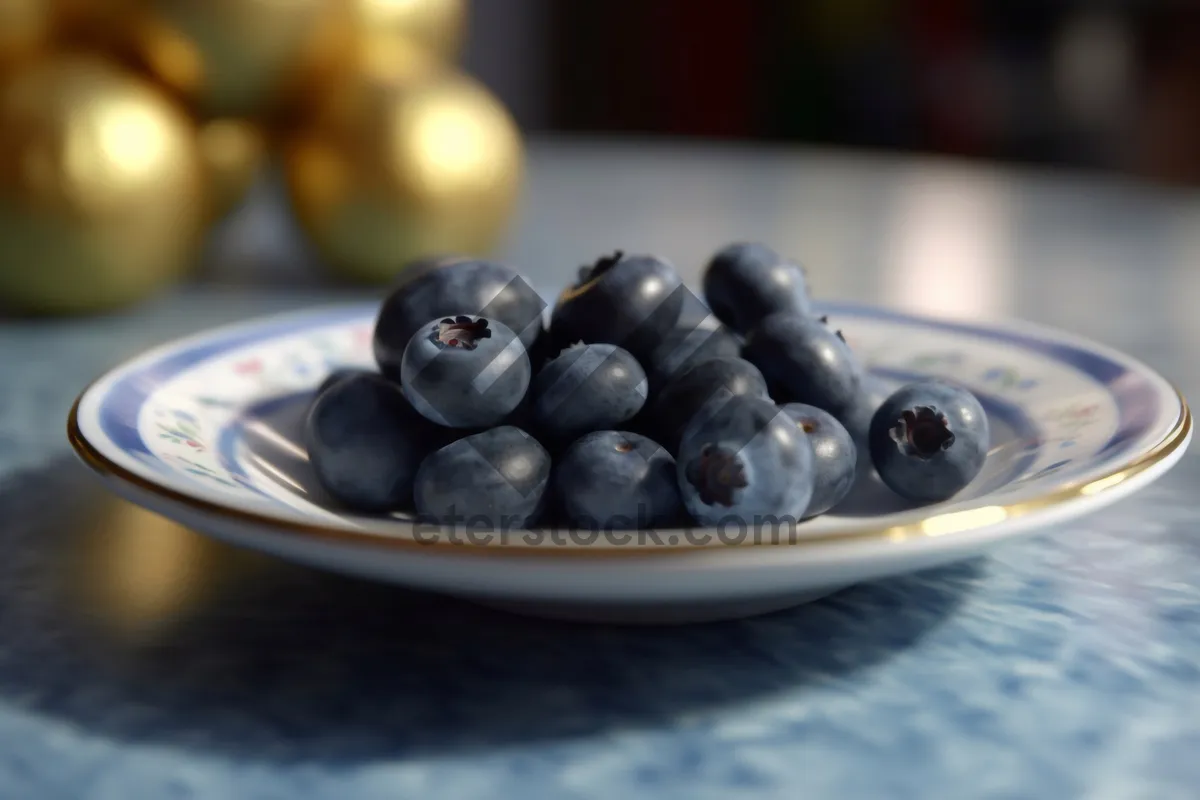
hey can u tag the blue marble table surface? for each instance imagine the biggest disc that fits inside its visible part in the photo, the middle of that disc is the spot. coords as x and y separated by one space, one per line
139 660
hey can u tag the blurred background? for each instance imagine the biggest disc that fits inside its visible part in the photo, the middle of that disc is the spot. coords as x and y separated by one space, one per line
1095 84
132 130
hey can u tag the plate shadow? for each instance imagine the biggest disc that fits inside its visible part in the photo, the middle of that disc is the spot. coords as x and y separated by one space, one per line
136 629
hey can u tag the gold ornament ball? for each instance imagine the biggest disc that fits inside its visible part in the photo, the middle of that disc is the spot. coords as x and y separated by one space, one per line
25 28
235 58
92 25
367 34
345 68
101 187
395 38
394 168
436 25
30 28
233 152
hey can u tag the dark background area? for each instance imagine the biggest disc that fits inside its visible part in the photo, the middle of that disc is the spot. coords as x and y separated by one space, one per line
1096 85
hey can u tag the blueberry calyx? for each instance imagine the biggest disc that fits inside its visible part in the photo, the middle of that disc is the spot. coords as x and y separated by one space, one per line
715 475
825 321
572 346
624 446
923 432
604 264
460 331
589 275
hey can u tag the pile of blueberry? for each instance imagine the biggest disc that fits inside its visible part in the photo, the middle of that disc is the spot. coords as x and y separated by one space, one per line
638 406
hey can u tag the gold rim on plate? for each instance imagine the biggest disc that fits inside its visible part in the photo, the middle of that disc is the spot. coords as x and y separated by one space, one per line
938 525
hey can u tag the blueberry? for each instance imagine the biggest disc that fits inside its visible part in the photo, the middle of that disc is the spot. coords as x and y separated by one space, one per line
336 376
857 418
587 387
701 389
465 372
616 480
544 349
748 462
929 440
365 443
448 287
694 314
632 301
834 456
804 361
746 282
496 479
684 348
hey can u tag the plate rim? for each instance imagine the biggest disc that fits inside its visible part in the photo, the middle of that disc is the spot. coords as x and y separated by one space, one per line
938 525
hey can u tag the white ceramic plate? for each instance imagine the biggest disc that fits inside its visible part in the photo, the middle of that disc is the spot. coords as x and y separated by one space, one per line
205 431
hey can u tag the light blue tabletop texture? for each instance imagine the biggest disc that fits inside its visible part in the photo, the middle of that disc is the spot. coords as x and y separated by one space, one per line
139 660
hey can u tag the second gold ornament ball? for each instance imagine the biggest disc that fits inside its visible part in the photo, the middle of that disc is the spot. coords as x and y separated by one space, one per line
406 160
124 136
